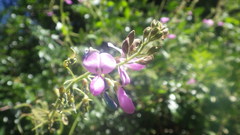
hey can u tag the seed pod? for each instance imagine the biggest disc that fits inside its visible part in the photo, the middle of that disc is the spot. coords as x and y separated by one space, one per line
125 45
131 36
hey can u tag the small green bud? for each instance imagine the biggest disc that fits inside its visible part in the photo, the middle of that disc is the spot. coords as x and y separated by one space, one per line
64 119
157 36
154 23
154 31
159 24
153 50
146 32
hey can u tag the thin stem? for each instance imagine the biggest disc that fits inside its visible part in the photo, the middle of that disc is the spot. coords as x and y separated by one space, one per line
80 91
134 55
55 109
161 7
61 11
77 79
74 124
70 71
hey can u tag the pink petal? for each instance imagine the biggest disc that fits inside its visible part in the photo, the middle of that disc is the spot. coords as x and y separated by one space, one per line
69 2
92 62
125 102
220 23
123 76
107 63
171 36
191 81
208 22
135 66
164 19
97 85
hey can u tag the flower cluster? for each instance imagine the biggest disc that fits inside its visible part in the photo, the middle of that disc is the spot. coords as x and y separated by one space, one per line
210 22
131 57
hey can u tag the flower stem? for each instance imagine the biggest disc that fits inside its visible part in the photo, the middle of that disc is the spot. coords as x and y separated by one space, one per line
77 79
74 124
70 71
134 55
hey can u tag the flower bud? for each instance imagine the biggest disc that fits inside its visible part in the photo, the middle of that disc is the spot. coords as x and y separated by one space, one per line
61 91
159 25
154 23
131 36
135 44
146 60
146 32
64 119
154 31
164 32
125 46
157 36
153 50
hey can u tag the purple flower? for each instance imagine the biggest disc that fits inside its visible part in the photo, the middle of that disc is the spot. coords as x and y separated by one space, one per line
69 2
171 36
98 63
220 23
132 64
124 101
208 22
189 13
50 13
164 19
191 81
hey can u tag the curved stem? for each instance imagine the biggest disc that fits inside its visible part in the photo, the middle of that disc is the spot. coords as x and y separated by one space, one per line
70 71
77 79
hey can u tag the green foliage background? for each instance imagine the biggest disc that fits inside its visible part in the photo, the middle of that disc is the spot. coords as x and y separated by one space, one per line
33 50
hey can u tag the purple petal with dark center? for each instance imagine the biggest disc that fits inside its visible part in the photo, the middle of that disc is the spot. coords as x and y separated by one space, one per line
135 66
97 85
92 62
124 101
123 76
107 63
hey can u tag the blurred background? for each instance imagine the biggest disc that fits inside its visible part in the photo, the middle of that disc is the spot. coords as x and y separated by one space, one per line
191 88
